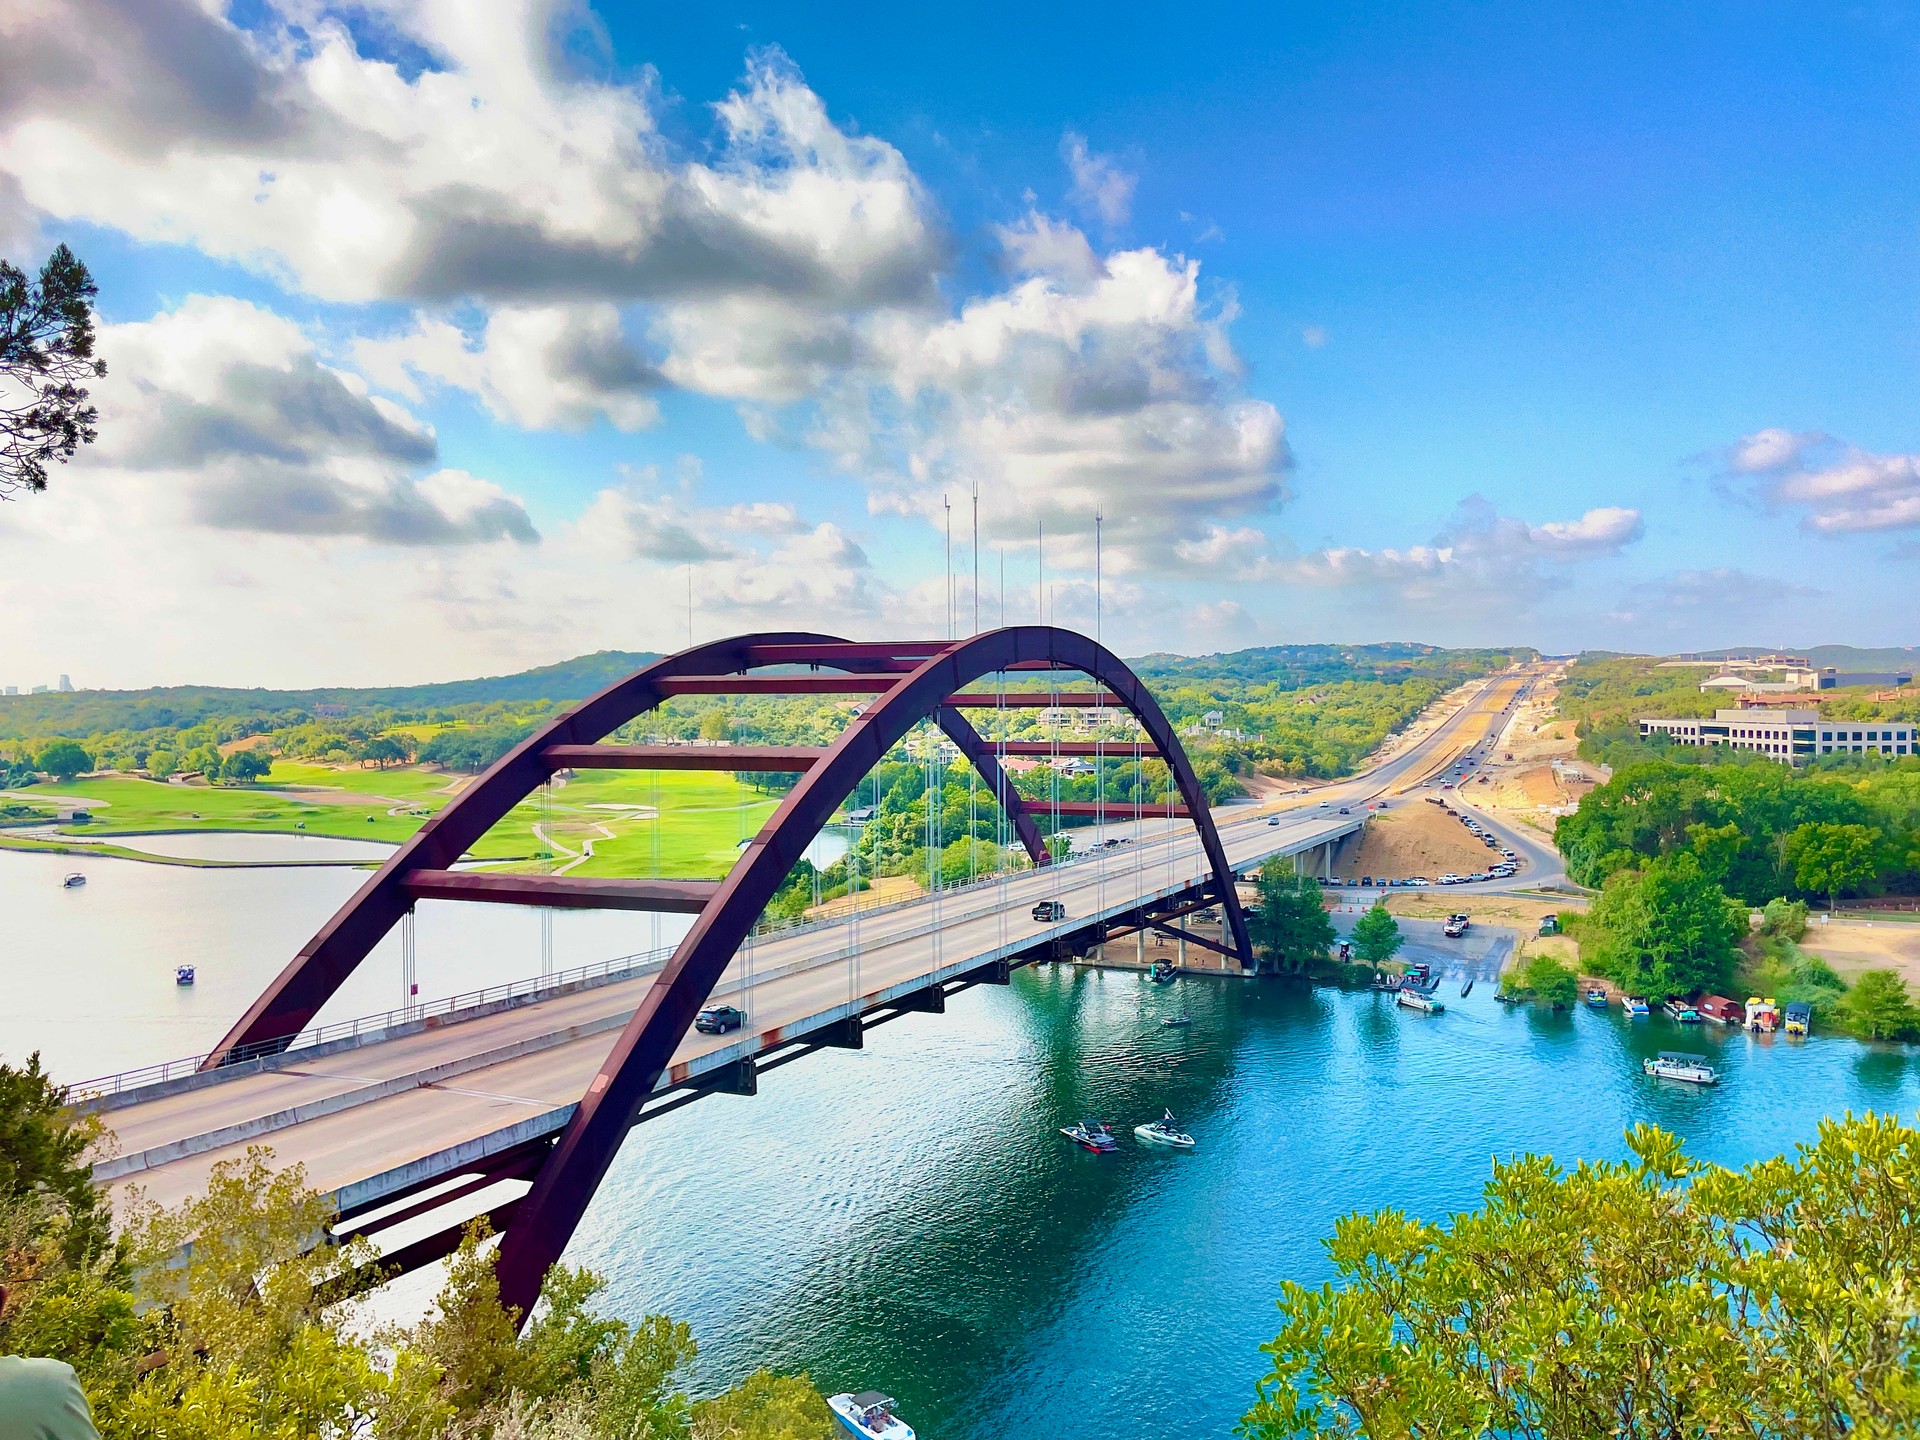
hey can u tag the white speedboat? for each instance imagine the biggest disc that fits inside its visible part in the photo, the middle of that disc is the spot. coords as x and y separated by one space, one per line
1164 1131
869 1416
1672 1065
1418 1000
74 881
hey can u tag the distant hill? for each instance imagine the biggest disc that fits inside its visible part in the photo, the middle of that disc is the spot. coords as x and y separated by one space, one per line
1840 657
87 712
1293 666
90 712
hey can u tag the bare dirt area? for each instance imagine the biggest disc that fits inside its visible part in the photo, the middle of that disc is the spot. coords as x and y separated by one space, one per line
1535 774
1518 911
1851 946
1413 838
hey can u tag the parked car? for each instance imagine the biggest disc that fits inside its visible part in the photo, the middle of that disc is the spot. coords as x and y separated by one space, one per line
719 1019
1048 910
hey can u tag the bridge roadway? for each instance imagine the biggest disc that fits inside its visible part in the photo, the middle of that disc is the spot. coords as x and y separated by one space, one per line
387 1119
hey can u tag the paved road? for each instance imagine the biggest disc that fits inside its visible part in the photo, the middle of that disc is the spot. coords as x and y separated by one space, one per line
378 1120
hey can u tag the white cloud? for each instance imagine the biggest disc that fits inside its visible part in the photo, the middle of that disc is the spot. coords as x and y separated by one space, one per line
226 412
495 171
1313 336
1678 602
1837 488
1480 557
547 367
1100 187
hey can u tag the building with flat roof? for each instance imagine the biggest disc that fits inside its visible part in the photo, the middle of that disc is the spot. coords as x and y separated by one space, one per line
1789 736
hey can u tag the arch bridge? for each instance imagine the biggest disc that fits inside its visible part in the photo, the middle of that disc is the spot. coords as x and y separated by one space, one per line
325 1101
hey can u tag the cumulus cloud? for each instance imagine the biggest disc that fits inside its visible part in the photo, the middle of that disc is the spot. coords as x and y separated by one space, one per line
1100 187
544 367
230 408
493 170
1837 488
1480 554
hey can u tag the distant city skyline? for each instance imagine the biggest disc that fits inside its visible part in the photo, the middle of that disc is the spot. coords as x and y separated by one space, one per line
440 349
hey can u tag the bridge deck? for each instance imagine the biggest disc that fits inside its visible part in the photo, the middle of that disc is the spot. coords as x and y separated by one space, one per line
381 1120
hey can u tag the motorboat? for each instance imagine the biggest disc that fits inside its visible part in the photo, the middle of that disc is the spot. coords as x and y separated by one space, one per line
1673 1065
1636 1006
1597 998
1177 1022
1162 972
869 1416
1088 1136
1683 1012
183 974
74 881
1164 1131
1418 1000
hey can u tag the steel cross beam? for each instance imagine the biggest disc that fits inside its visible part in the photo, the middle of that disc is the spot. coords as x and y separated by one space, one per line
764 758
980 754
593 1135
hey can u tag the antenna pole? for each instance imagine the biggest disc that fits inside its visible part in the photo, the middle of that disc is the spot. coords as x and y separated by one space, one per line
1097 518
947 505
976 562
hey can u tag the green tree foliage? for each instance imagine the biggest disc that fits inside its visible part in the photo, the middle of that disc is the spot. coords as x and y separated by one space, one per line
43 1145
1784 919
1879 1007
715 726
1650 1298
1741 820
220 1318
46 353
473 750
1665 930
1289 924
1827 859
1376 936
63 760
384 750
161 763
1543 977
243 767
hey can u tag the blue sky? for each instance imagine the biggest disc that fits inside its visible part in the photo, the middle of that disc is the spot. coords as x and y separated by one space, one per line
448 339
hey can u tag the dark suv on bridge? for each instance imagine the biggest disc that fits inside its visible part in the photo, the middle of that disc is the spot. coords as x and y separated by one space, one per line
719 1019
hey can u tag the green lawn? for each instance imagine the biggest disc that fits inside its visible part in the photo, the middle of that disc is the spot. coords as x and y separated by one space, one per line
702 817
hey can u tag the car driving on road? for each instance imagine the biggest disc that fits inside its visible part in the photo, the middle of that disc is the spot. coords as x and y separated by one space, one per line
719 1019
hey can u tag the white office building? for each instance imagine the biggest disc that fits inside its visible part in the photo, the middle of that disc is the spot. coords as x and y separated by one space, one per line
1788 736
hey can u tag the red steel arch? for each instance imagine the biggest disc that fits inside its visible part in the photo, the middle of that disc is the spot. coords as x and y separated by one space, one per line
911 682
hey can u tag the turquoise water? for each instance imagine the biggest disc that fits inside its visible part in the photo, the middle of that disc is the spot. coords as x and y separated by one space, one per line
908 1217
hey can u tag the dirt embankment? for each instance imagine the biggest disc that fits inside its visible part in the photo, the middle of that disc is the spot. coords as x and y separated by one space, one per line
1534 775
1853 946
1414 838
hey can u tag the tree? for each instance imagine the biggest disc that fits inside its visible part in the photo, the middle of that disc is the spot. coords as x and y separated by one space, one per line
1830 858
1666 929
245 766
1652 1297
1785 919
1289 923
1544 977
1376 936
1879 1007
385 750
63 759
714 725
162 763
46 350
43 1147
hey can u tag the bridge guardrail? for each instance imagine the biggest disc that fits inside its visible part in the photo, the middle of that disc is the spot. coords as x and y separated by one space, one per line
368 1024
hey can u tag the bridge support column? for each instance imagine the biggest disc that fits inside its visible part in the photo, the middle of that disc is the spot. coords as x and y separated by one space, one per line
742 1077
847 1034
931 1001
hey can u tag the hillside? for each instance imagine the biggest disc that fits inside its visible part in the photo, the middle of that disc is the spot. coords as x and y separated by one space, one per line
87 712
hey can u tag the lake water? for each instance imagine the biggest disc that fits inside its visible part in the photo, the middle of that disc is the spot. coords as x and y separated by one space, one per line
86 975
906 1216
